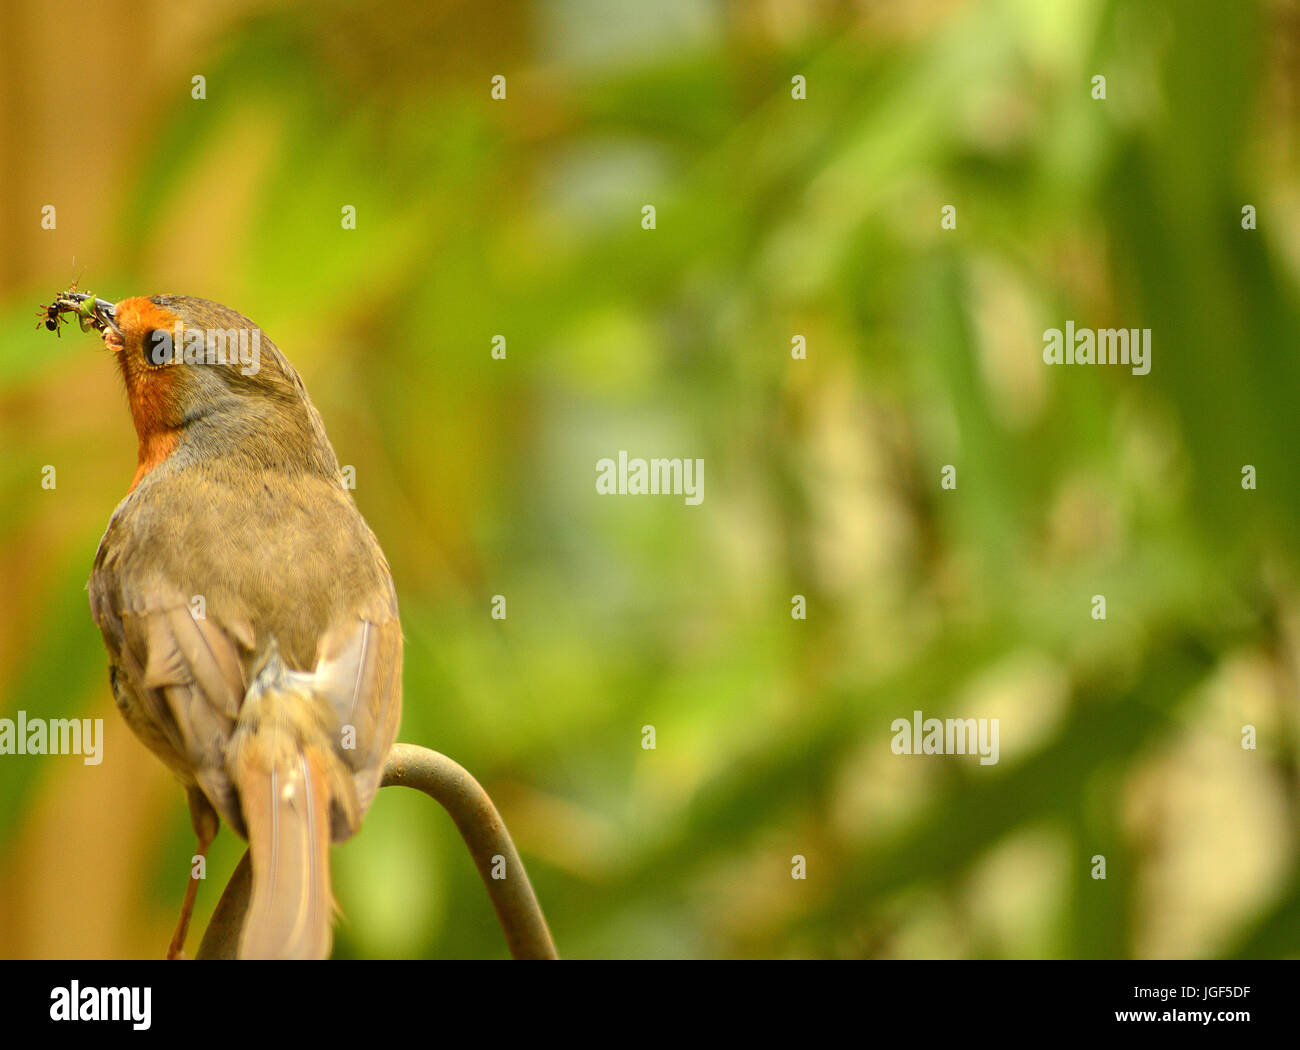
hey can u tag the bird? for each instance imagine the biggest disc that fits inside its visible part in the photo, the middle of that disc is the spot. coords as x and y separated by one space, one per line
249 614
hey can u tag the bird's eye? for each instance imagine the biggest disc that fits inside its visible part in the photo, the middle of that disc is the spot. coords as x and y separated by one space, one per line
157 347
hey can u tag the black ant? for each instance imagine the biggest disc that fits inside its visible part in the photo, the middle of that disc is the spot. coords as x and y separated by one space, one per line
65 302
51 316
92 314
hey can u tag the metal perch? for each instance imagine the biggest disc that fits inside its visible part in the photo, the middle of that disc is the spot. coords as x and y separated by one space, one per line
484 833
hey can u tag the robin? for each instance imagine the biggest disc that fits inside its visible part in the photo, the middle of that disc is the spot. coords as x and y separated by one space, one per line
248 611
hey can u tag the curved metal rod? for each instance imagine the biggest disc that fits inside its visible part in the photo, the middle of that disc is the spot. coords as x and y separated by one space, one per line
480 825
221 938
484 832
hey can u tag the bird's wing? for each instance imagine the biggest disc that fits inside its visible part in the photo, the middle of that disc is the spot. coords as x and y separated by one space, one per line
179 678
360 675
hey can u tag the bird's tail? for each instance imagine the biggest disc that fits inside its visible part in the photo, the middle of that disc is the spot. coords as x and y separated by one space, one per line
281 763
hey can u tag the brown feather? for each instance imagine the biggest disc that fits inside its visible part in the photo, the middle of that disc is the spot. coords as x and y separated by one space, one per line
283 779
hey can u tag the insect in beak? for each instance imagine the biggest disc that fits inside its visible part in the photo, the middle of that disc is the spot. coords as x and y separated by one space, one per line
91 313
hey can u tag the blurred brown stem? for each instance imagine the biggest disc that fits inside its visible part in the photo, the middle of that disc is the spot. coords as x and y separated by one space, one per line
484 833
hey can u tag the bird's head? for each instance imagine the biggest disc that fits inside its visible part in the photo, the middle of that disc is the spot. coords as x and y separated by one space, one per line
201 377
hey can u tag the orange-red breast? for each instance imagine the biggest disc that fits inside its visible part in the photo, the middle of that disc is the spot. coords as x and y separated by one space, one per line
249 613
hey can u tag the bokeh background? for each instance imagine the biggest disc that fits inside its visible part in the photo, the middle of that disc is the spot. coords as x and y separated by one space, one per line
775 217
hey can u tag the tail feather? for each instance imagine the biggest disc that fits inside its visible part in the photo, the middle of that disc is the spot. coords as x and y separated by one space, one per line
287 812
282 766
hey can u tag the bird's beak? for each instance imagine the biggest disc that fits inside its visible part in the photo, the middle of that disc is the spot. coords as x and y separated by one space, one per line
105 311
98 312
